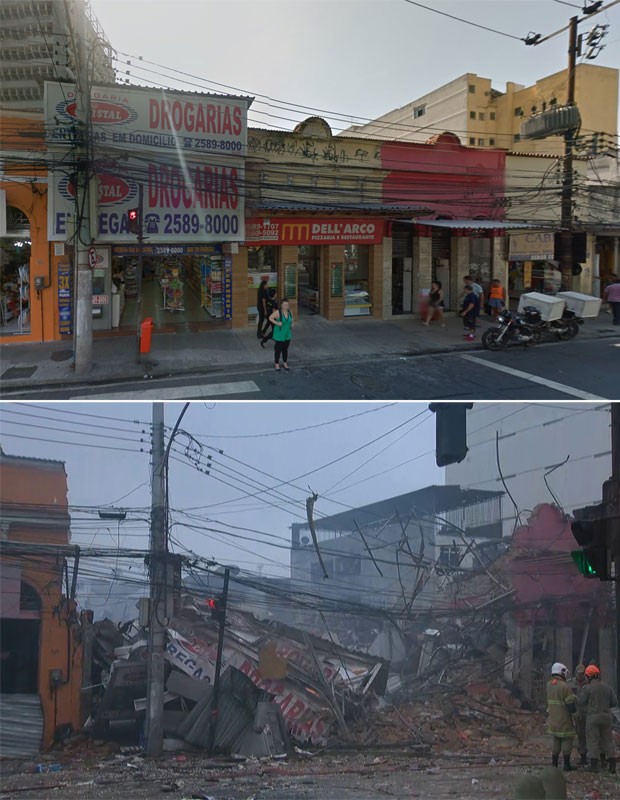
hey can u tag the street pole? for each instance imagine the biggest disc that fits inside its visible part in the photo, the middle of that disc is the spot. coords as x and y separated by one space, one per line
614 498
83 322
139 272
566 233
158 585
215 697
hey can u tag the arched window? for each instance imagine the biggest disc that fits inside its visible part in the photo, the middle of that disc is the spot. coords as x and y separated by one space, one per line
29 599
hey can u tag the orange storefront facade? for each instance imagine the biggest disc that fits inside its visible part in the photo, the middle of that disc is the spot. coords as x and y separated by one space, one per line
29 278
41 633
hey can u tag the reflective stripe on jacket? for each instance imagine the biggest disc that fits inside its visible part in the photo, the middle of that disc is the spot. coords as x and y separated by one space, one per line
559 719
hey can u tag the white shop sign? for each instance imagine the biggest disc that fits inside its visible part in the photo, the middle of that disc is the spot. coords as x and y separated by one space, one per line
199 203
187 152
151 119
531 246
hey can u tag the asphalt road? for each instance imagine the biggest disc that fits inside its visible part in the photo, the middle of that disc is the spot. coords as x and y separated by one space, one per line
587 370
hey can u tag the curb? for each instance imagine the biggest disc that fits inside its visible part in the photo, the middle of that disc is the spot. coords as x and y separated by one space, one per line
197 372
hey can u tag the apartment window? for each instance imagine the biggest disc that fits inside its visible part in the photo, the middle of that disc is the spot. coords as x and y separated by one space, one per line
481 115
472 140
518 111
480 142
472 88
492 142
419 111
449 555
472 115
517 137
492 115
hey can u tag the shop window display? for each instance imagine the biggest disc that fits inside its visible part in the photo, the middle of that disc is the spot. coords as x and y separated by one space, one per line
357 301
14 286
308 277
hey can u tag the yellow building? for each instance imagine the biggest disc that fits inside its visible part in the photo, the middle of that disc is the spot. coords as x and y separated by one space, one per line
483 116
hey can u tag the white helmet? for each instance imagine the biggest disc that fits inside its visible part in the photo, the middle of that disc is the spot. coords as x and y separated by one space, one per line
559 669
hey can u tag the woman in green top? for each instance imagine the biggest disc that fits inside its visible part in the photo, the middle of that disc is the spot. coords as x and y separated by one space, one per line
282 321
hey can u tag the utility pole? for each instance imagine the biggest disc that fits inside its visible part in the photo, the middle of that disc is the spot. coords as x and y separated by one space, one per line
215 697
158 587
140 264
566 233
83 306
611 499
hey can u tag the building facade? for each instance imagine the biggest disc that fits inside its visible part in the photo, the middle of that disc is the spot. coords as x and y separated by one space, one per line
387 554
482 116
40 697
34 47
568 446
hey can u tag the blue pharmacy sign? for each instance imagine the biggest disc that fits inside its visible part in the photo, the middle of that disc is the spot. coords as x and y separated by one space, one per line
65 300
227 288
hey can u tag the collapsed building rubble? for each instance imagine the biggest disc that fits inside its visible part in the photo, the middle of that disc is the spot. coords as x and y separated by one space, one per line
277 683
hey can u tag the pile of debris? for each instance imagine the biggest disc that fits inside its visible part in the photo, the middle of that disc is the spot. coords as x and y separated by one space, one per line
278 684
464 710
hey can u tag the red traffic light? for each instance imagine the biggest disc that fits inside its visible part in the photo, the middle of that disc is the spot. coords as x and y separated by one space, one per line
133 221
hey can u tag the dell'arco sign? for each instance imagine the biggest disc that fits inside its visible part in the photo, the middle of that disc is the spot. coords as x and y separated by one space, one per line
186 150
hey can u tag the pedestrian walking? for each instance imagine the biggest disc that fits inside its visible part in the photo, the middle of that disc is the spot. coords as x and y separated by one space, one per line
282 321
612 296
578 684
598 699
561 705
497 297
435 304
261 305
272 305
470 311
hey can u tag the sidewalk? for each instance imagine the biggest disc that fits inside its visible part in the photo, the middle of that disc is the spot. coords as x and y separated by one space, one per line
316 340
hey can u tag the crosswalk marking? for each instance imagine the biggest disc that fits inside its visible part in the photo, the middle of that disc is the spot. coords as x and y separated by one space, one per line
558 387
177 392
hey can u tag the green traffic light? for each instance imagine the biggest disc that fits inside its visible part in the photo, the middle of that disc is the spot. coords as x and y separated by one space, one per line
582 563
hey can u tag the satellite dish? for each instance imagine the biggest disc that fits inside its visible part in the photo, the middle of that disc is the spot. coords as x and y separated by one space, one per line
305 540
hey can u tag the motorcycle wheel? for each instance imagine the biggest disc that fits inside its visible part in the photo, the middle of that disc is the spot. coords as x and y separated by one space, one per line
572 329
491 340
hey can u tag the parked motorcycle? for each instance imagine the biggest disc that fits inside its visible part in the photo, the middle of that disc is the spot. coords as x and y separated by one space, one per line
567 327
511 328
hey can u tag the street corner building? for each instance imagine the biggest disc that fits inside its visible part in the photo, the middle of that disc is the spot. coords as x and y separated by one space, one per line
41 647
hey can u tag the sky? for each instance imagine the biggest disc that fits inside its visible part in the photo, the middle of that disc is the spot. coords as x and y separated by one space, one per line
353 57
105 447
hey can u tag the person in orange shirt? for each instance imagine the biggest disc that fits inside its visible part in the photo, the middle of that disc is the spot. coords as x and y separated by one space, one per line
497 297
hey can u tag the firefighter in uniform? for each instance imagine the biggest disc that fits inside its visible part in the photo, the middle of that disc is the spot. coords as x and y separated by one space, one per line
561 705
577 684
598 699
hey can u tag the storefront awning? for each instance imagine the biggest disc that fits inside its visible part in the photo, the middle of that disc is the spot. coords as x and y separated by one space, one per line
366 208
478 224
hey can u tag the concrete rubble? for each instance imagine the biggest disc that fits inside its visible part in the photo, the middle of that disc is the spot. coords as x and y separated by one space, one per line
279 684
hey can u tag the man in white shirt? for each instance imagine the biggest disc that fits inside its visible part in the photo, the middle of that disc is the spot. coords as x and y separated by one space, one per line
475 288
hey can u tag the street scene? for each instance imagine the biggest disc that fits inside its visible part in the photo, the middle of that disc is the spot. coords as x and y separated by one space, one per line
155 221
354 600
309 400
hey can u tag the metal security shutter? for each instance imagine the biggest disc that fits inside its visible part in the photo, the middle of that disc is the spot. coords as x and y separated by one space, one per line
21 730
401 244
441 244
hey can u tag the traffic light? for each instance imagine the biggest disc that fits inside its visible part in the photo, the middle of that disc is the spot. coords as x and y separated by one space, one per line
593 559
450 432
217 606
133 221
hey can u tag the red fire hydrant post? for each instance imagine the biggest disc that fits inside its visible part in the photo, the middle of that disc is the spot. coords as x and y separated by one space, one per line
146 334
